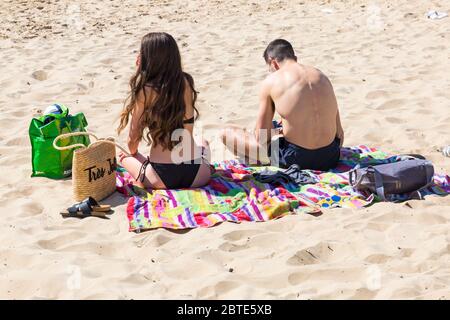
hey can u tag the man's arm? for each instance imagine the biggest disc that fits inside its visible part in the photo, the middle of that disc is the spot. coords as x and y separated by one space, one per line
265 114
339 129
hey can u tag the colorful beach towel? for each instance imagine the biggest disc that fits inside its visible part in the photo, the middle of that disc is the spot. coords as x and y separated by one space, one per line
234 195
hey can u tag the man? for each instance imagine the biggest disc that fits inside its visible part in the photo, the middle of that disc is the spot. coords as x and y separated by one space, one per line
304 98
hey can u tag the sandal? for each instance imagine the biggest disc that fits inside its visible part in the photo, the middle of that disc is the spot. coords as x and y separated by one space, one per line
98 207
86 208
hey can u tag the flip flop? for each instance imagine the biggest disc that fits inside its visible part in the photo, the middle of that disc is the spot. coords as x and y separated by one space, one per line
86 208
435 15
446 151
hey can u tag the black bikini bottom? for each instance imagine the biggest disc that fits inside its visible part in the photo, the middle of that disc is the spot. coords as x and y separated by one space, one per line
173 175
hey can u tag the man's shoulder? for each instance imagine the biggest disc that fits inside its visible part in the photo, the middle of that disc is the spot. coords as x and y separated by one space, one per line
268 81
316 71
270 77
273 78
315 75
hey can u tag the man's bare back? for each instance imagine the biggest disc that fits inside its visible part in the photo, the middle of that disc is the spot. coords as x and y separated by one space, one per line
304 98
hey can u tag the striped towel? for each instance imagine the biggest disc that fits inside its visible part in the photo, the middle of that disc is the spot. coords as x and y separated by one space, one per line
234 195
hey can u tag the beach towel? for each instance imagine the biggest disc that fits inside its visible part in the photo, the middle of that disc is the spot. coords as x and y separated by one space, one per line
234 195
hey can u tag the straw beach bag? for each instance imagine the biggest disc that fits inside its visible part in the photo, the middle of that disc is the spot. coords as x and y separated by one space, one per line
93 167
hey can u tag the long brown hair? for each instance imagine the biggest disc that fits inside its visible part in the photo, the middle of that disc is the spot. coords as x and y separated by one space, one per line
159 68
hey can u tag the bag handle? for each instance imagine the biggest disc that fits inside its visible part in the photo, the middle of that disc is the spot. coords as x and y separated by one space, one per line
77 145
353 178
379 184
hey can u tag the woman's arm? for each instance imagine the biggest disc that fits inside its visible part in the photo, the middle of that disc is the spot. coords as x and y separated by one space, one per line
135 132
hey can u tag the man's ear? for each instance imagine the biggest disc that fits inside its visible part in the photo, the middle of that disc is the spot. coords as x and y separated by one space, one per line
275 64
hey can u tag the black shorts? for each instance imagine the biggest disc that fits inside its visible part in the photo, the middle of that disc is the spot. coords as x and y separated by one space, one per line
288 153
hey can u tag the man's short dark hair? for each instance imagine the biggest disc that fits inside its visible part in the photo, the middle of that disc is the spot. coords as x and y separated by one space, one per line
279 50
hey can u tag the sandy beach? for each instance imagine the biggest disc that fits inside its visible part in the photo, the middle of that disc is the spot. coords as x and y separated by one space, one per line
389 67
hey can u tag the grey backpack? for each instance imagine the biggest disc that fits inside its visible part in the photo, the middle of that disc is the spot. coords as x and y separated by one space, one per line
407 176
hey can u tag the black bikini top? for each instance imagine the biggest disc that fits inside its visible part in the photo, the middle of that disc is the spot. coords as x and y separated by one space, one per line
189 121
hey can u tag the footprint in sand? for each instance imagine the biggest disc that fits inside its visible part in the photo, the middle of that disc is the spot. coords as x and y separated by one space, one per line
327 274
377 226
394 120
19 114
99 106
231 247
14 95
58 241
376 94
302 257
81 88
91 74
225 286
15 160
217 290
240 234
18 141
161 240
411 78
392 104
31 209
355 226
278 226
40 75
116 101
363 294
108 61
377 258
436 48
322 252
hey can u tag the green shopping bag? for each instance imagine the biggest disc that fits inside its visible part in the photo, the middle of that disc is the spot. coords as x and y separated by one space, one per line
46 160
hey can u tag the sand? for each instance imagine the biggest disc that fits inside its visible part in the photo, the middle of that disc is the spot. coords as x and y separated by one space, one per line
389 67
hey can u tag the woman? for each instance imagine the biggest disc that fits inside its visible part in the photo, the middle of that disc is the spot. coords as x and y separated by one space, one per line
162 103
